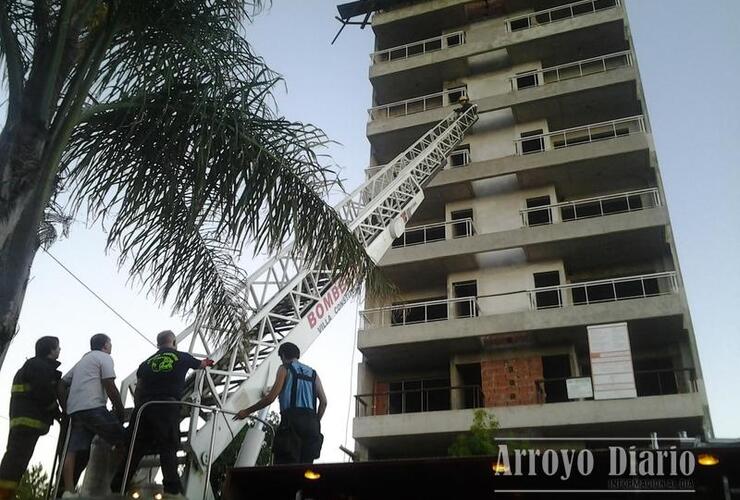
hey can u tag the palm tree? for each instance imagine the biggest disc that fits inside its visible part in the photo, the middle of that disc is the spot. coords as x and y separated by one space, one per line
157 118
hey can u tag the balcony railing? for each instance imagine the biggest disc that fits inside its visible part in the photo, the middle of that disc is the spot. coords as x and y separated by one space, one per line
552 297
559 13
418 48
419 400
458 158
571 70
587 208
661 382
580 135
418 104
428 233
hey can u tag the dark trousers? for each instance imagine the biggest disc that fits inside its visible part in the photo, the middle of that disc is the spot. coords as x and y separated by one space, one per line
298 439
159 433
21 443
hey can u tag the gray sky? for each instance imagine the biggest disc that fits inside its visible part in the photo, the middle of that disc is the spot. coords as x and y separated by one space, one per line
687 52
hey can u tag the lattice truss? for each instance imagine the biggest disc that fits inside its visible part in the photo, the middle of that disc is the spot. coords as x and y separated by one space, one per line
281 292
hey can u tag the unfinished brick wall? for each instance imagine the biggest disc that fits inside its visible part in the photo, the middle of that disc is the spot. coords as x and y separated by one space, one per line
380 399
510 382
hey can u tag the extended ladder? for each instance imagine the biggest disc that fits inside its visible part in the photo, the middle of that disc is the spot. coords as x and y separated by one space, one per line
288 298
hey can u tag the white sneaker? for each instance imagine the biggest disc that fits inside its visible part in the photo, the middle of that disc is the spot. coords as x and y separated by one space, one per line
70 494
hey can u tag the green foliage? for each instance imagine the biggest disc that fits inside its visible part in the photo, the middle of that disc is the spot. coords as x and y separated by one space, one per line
160 124
227 459
33 484
479 440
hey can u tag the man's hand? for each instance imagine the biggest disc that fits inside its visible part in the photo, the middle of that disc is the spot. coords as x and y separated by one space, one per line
242 414
207 363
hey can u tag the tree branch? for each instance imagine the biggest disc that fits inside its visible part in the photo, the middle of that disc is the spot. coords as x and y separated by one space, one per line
14 62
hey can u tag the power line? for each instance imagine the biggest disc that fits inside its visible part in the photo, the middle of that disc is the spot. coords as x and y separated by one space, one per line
98 297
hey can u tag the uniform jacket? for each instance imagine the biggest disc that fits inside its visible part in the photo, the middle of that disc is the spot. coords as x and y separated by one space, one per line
33 400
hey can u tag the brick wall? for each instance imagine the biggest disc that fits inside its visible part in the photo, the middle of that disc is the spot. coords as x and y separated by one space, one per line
510 382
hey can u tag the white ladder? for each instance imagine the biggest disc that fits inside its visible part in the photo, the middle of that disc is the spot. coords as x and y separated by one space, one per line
288 298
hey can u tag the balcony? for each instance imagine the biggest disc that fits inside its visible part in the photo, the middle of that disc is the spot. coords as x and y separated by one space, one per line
418 104
458 158
537 299
428 233
555 14
662 382
575 136
588 208
569 71
420 47
418 400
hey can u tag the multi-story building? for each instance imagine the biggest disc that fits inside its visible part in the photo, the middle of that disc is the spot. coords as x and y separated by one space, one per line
548 221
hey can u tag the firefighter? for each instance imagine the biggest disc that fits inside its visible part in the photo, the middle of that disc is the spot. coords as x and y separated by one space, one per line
33 408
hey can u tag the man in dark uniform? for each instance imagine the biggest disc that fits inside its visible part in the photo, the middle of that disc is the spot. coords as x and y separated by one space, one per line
33 408
298 439
160 378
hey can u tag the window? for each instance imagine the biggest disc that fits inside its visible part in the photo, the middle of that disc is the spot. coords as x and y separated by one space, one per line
454 94
549 298
454 40
465 228
526 81
555 371
539 217
413 396
534 145
519 24
465 308
459 157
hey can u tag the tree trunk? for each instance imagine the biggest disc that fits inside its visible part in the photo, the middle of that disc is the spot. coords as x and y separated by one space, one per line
25 192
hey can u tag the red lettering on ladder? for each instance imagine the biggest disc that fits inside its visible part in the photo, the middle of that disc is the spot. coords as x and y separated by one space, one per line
311 319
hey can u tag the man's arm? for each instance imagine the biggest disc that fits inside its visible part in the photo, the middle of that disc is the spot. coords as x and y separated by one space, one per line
137 390
322 397
267 399
115 397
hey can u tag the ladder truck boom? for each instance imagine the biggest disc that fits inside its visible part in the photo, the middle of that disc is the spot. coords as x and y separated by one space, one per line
289 298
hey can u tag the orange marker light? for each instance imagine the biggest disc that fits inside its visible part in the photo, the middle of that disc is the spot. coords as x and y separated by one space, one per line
499 468
707 459
311 475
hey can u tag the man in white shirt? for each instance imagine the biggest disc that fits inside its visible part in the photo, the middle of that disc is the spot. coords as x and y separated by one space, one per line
88 386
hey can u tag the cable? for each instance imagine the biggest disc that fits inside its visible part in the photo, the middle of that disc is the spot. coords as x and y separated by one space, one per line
98 297
352 368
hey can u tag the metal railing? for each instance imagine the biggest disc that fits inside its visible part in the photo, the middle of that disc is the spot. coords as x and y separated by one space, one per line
660 382
583 134
560 13
607 290
420 312
665 381
418 400
567 71
551 297
214 412
587 208
418 48
428 233
418 104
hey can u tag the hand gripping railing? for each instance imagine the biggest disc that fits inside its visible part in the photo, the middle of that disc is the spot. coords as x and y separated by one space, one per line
214 411
280 298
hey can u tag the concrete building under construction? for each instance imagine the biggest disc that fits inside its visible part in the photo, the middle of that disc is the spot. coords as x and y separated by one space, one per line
539 278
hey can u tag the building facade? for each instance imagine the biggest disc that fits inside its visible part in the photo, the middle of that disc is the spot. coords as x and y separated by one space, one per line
539 278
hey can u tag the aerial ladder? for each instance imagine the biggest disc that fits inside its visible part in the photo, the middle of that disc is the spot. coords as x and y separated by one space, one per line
289 298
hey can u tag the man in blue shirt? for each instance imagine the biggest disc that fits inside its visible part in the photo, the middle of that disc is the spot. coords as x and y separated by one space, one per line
298 439
160 378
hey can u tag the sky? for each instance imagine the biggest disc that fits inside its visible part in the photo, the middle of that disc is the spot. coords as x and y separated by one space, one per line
687 53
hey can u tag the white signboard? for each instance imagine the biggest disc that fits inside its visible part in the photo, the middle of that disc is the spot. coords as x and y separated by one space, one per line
611 361
579 388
